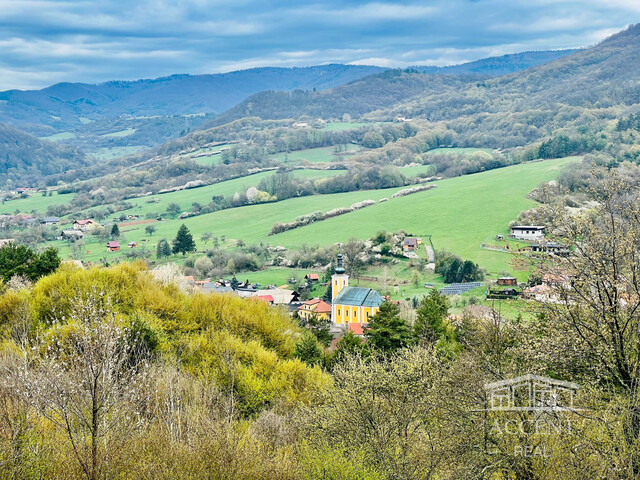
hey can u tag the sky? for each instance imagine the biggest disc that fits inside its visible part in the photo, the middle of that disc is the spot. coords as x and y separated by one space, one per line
43 42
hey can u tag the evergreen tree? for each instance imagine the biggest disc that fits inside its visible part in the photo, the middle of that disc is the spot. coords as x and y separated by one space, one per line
429 324
386 330
22 260
320 328
349 344
115 231
307 349
183 242
163 249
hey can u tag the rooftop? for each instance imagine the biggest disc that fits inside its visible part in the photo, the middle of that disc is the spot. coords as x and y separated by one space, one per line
358 296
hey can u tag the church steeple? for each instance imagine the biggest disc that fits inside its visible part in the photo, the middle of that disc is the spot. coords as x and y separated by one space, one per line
339 280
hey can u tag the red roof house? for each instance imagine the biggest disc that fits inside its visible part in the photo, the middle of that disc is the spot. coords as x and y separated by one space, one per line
113 246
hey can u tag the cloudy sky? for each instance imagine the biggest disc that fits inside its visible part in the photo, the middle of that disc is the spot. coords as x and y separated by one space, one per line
49 41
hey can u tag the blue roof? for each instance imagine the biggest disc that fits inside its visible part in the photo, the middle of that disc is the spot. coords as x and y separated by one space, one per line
359 297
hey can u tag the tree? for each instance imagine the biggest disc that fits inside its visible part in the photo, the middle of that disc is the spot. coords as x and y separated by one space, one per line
349 344
115 231
183 242
352 251
415 278
89 384
307 349
173 209
429 324
150 229
206 237
387 331
163 249
22 260
320 328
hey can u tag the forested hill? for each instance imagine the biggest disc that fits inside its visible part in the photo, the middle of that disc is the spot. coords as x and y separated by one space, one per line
502 65
374 92
23 156
605 75
62 106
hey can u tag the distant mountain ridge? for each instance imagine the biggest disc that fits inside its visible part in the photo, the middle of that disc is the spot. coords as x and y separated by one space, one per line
503 65
65 106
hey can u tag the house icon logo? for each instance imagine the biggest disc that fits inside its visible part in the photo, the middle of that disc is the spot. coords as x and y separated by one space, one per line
531 393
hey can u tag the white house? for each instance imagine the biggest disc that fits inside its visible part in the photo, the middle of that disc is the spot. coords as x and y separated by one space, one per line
527 232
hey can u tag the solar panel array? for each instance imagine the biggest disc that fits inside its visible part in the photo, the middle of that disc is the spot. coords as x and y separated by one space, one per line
459 288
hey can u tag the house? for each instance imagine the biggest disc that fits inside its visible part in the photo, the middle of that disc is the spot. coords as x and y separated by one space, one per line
265 298
312 277
527 232
72 235
507 281
133 245
356 329
113 246
50 220
410 244
317 307
351 304
551 248
83 225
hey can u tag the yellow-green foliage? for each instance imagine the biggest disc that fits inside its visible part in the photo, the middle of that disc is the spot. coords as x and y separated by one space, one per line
242 345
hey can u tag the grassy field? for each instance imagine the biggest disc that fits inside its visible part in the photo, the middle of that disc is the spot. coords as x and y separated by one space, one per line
214 158
414 170
157 204
35 202
315 155
468 151
60 136
459 214
120 133
342 126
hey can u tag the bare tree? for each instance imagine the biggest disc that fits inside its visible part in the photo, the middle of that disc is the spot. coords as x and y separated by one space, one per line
353 251
89 382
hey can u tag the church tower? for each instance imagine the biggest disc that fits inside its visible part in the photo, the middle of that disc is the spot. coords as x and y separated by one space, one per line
339 280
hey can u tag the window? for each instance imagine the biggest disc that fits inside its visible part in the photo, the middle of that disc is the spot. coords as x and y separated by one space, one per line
355 313
338 311
347 313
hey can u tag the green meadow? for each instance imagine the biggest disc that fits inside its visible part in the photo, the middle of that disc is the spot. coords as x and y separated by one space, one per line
36 202
459 214
317 155
460 150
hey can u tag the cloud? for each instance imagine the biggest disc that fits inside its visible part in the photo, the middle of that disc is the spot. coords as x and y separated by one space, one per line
44 42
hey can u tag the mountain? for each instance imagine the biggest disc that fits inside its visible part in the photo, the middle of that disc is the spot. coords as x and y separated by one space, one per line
67 105
497 66
26 158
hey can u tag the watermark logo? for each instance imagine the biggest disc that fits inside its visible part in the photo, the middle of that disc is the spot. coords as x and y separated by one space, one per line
532 393
531 407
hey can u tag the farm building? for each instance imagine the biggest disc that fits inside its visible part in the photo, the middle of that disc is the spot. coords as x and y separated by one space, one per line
83 225
507 281
351 304
316 306
50 220
551 248
527 232
113 246
312 277
132 244
410 244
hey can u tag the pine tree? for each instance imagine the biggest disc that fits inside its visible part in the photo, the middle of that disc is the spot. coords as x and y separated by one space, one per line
163 249
183 242
307 349
115 231
386 330
430 316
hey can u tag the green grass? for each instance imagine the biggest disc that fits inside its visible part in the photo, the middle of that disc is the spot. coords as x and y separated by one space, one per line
342 126
157 204
459 214
60 136
316 155
414 170
121 133
214 158
467 151
35 202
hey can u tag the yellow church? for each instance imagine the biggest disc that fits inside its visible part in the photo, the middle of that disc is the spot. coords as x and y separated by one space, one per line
351 304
